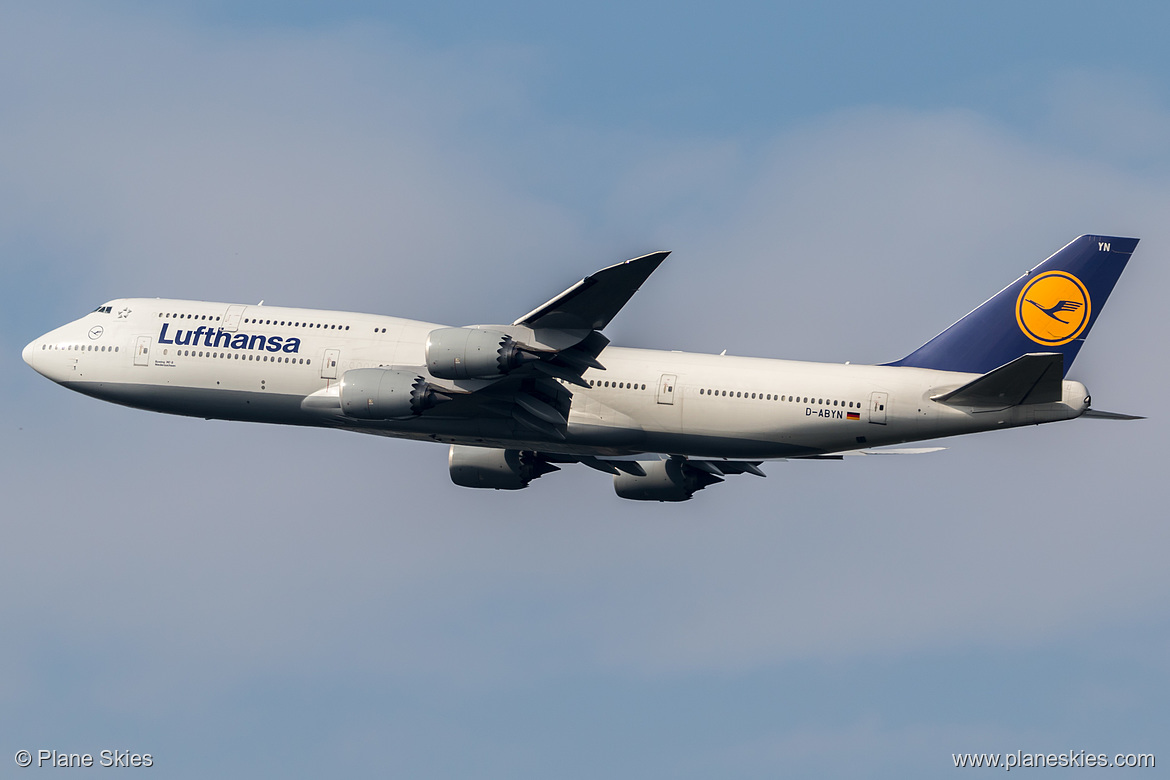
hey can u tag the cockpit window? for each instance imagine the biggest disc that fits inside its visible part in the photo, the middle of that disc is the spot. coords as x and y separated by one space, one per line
103 310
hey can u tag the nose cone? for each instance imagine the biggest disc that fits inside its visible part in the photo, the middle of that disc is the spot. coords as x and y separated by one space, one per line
28 353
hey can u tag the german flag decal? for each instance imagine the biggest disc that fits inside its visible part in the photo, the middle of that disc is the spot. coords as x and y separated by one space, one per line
852 416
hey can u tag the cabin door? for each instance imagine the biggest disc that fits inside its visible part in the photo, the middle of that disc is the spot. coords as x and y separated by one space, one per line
329 364
142 351
877 407
666 388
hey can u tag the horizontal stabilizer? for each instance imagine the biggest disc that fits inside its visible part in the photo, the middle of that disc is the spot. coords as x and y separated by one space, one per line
1030 379
1096 415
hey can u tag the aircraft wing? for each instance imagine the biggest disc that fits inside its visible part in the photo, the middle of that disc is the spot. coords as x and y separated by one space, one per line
559 341
592 302
556 343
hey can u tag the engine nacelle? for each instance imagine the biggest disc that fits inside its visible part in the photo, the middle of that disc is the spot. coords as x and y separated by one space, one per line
386 394
665 480
467 353
483 467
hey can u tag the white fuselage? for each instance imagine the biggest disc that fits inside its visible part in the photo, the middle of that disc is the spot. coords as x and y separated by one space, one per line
260 363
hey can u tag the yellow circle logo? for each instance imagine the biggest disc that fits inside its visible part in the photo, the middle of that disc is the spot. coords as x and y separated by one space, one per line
1053 308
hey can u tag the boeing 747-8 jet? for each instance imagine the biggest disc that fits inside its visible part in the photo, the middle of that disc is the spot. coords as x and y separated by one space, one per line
516 401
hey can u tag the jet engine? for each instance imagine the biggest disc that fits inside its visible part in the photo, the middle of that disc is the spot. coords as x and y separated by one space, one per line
466 353
665 480
482 467
386 394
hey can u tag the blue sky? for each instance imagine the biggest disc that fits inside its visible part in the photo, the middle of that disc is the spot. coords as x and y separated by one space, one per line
837 181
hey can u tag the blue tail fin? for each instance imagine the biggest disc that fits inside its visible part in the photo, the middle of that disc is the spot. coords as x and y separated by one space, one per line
1049 309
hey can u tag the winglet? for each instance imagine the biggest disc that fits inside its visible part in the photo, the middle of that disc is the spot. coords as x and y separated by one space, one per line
592 302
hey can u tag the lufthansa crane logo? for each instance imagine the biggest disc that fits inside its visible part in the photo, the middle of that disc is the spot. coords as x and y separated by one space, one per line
1053 308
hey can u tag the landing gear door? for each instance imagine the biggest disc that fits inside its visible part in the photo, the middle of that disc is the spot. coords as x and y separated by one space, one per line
142 351
877 407
666 388
329 364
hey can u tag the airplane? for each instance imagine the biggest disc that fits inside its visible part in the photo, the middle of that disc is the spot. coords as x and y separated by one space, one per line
515 402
